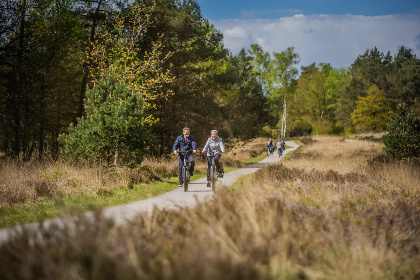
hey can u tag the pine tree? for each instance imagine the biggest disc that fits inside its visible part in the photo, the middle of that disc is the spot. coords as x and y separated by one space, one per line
113 126
403 138
372 112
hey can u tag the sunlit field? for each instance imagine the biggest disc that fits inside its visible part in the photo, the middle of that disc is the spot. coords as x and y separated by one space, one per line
335 209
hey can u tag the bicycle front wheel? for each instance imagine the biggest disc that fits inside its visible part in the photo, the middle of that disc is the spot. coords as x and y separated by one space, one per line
213 178
185 178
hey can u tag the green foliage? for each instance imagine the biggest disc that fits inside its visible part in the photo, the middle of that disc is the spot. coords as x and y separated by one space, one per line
314 101
403 138
372 67
407 79
113 126
372 112
276 75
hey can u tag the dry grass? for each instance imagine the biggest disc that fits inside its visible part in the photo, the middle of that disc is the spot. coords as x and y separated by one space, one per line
287 222
335 153
241 151
21 182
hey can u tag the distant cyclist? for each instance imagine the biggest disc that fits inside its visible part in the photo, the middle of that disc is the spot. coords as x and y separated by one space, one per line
270 145
185 142
280 146
214 145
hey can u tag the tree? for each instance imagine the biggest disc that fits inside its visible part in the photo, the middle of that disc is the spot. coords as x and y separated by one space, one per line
277 76
403 138
38 58
406 69
113 127
315 98
127 80
198 66
260 64
244 101
373 67
372 112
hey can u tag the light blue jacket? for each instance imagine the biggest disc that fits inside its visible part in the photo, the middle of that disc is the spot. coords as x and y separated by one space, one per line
215 146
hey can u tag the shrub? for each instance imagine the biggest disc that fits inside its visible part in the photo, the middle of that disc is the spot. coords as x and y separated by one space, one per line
403 138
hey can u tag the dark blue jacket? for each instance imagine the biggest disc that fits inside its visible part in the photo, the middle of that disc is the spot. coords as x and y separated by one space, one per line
183 144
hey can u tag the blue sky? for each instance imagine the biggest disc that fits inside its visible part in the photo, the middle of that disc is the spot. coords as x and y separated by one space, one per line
330 31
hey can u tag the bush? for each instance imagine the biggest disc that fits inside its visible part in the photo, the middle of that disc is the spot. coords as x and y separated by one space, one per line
403 138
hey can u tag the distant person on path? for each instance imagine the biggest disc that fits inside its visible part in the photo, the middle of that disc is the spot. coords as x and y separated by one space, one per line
185 142
214 145
270 145
280 146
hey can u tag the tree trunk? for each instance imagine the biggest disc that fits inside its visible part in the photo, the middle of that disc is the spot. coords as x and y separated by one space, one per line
86 66
18 85
42 119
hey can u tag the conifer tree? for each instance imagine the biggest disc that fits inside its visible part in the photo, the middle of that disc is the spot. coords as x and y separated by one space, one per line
113 126
403 138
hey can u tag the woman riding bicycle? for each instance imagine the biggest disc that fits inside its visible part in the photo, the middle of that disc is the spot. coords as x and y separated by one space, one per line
214 146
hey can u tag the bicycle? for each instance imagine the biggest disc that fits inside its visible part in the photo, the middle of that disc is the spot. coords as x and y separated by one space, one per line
211 173
269 150
280 151
185 174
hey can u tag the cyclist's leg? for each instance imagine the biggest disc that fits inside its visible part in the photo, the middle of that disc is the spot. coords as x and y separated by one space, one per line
192 163
219 165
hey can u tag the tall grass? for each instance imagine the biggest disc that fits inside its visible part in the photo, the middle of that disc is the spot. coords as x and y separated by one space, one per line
21 182
290 221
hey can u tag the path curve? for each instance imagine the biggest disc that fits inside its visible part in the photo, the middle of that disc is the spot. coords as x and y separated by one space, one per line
197 192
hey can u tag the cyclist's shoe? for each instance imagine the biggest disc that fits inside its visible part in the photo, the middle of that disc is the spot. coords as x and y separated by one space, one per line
191 173
180 185
208 185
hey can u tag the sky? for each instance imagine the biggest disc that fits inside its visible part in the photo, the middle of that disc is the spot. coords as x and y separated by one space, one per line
328 31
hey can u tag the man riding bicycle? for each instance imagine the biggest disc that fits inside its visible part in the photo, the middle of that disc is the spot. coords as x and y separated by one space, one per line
185 142
214 145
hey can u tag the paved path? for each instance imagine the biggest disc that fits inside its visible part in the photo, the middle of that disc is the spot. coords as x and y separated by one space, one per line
197 192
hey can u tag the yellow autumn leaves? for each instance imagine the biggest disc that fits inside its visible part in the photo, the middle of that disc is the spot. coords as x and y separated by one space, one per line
118 46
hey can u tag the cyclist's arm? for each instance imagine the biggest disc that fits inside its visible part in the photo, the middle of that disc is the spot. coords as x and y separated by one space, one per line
175 145
222 147
206 146
194 145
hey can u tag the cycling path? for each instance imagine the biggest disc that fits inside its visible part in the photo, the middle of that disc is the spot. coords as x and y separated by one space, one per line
176 199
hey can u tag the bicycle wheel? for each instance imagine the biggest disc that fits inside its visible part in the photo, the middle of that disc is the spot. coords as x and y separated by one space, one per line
213 178
185 178
268 152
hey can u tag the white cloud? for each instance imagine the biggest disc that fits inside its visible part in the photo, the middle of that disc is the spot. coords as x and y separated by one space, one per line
335 39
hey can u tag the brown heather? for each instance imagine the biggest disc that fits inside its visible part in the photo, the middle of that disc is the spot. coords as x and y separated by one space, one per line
292 220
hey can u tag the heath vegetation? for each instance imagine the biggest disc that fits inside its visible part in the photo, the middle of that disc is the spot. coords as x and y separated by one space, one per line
291 220
32 186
